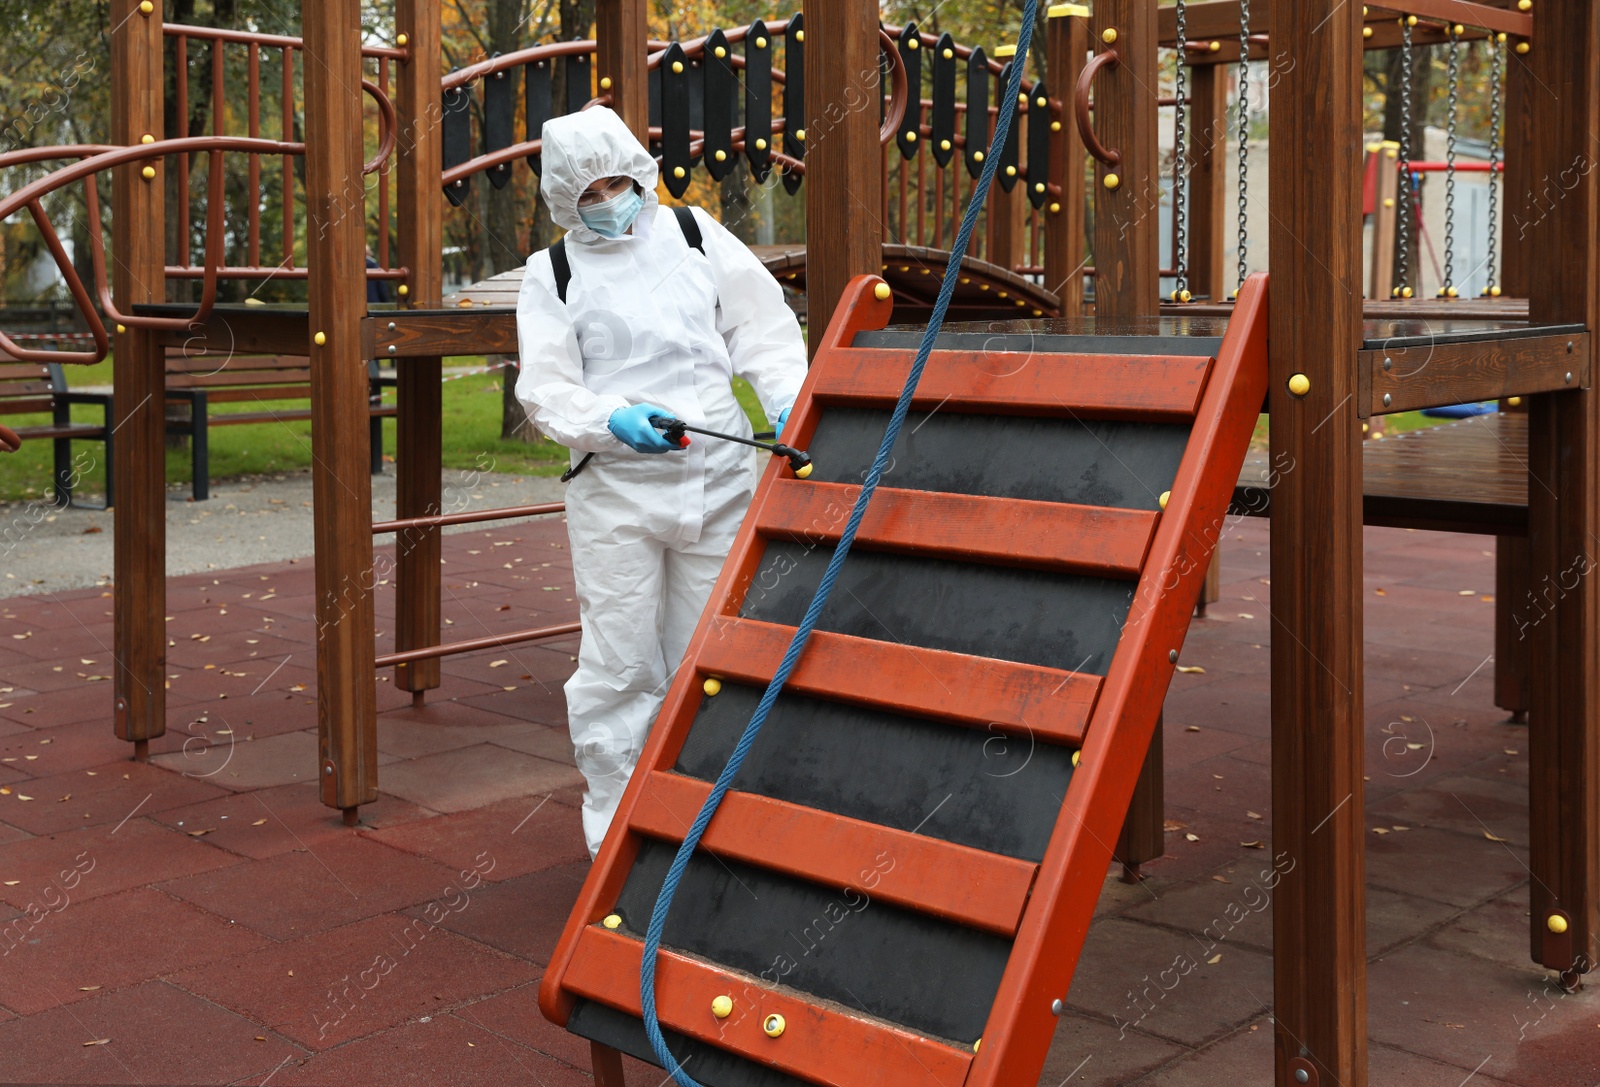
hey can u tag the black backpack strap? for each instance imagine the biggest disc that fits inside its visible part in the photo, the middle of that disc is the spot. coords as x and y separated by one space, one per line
690 228
561 268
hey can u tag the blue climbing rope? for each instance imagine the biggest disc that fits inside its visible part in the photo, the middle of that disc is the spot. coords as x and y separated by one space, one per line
947 286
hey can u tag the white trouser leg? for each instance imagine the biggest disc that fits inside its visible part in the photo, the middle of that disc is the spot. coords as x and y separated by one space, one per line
621 679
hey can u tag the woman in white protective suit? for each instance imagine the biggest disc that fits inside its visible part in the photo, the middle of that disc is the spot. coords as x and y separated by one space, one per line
650 326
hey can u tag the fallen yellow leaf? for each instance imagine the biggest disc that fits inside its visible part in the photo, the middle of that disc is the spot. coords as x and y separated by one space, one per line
97 1041
258 822
1191 670
1492 837
1213 960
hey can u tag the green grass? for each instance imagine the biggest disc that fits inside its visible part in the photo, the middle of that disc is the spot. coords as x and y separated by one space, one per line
1393 424
471 440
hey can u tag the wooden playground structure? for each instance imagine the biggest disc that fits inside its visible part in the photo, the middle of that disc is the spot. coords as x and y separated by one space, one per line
862 97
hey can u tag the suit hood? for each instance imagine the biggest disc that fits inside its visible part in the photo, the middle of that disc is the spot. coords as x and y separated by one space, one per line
579 149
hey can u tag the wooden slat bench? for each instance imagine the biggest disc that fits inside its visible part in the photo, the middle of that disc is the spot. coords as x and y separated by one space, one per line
33 387
204 380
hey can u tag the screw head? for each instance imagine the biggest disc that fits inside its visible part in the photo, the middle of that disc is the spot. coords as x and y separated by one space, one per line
1112 181
1302 1076
391 326
1388 364
401 40
773 1025
612 921
1299 385
1166 496
1556 923
1056 1007
712 686
1569 377
722 1006
1172 655
320 338
1108 35
392 349
882 292
1387 400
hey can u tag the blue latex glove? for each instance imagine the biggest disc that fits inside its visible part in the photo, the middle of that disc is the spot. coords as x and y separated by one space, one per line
783 418
632 428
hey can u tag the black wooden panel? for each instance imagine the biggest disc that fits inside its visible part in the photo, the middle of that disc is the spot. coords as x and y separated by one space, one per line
708 1065
580 82
456 106
720 104
758 101
652 82
975 787
697 100
909 136
977 111
1087 462
674 76
1030 616
794 98
1007 173
943 115
536 101
840 944
1039 145
499 118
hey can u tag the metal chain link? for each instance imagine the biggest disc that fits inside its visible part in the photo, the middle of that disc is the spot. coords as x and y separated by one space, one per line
1496 67
1180 169
1403 229
1244 140
1448 289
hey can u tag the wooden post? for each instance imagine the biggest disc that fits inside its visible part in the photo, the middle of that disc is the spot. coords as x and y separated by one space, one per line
1208 208
621 49
1385 218
139 517
843 162
1556 226
341 481
1144 830
1127 221
418 428
1066 48
1319 916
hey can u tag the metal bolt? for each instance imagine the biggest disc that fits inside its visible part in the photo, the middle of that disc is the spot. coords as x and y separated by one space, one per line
1388 364
391 326
500 75
1387 400
391 349
1569 347
1569 377
1056 1007
1172 656
1302 1076
328 770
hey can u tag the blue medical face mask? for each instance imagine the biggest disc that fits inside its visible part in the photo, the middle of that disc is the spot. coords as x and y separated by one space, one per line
612 218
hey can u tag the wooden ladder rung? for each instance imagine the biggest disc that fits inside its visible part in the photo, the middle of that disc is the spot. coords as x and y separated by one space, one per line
819 847
1149 388
1046 703
817 1043
1091 540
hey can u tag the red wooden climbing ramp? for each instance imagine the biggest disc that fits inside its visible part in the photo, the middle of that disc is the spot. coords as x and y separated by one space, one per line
897 888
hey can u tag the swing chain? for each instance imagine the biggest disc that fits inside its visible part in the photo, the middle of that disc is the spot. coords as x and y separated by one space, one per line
1496 61
1180 170
1403 233
1244 140
1448 289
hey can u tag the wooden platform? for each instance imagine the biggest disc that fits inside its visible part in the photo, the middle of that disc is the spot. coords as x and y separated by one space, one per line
1467 476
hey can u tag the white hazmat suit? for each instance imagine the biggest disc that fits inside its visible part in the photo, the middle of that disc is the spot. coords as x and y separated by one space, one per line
647 320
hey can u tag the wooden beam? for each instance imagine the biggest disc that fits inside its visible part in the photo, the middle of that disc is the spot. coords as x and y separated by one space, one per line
1066 49
139 475
341 485
420 226
621 49
1319 960
1220 18
1208 204
1127 221
1440 375
844 234
1558 225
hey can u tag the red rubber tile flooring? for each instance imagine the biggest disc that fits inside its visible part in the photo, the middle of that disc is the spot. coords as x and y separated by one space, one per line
203 919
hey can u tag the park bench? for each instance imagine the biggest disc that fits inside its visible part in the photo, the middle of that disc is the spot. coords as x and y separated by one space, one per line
32 387
204 380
